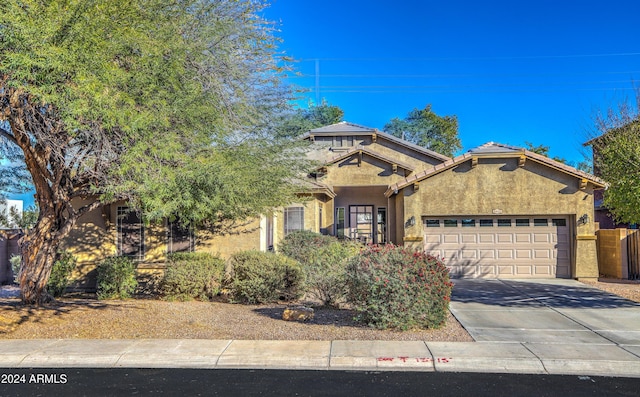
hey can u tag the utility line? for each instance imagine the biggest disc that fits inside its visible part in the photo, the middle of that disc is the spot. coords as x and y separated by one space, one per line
497 58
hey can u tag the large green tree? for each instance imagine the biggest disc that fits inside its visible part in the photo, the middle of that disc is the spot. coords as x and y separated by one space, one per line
298 121
616 158
167 104
425 128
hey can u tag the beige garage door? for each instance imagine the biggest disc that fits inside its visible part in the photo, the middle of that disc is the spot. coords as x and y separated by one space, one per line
502 247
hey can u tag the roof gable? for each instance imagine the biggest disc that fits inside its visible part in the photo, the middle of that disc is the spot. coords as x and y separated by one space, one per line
345 128
496 150
371 153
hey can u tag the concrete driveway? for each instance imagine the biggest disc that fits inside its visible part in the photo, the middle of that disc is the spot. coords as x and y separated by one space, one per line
544 311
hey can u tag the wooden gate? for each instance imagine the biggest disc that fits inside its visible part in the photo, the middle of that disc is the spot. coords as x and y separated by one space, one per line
633 254
619 253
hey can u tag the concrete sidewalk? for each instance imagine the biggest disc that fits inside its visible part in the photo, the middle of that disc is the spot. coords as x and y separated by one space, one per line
497 357
520 326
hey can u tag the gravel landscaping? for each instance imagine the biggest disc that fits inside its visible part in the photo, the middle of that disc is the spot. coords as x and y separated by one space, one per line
145 318
86 317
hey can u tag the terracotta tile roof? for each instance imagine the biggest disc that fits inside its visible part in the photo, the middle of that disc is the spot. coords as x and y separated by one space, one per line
492 149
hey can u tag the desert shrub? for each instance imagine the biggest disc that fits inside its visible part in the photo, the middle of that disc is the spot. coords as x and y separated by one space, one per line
16 262
323 259
262 277
325 270
61 273
300 245
192 275
396 287
116 278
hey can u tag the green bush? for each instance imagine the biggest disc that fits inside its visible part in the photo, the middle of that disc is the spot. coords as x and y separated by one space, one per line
396 287
323 259
61 273
300 245
262 277
116 278
192 275
16 262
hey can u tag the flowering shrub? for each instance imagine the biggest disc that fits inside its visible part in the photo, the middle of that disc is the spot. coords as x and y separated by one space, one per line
192 275
396 287
262 277
323 259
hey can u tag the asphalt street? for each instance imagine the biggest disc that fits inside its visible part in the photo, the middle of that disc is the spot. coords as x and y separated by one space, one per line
200 382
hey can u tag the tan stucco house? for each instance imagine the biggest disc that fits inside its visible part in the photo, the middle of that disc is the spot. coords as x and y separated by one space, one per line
495 211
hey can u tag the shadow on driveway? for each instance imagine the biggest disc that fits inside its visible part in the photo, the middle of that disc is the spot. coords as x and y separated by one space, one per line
555 293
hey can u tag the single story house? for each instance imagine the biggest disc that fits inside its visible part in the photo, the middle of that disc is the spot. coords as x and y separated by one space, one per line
496 211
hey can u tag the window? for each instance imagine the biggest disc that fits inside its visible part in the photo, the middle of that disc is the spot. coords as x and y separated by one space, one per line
522 222
293 219
486 222
382 225
130 234
450 223
432 223
540 222
340 216
468 223
361 222
180 238
504 222
559 222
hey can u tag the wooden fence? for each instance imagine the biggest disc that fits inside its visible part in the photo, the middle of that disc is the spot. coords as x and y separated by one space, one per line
633 254
619 253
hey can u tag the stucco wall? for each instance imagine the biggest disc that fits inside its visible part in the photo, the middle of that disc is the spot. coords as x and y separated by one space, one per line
500 186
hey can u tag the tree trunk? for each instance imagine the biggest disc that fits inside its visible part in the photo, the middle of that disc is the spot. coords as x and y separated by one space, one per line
39 250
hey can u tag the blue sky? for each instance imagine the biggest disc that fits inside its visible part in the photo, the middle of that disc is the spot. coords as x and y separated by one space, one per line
511 71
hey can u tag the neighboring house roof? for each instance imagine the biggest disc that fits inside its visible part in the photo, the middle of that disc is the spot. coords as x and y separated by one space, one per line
363 150
345 128
495 150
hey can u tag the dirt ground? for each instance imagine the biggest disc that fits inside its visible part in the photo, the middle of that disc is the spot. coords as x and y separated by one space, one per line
157 319
86 317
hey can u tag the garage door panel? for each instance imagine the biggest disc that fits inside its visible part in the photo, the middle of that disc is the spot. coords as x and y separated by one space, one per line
505 270
469 239
524 270
469 254
542 254
433 239
487 238
541 237
505 254
451 239
487 254
495 249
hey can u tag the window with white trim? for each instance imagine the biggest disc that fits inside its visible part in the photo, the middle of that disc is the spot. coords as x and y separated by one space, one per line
293 219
